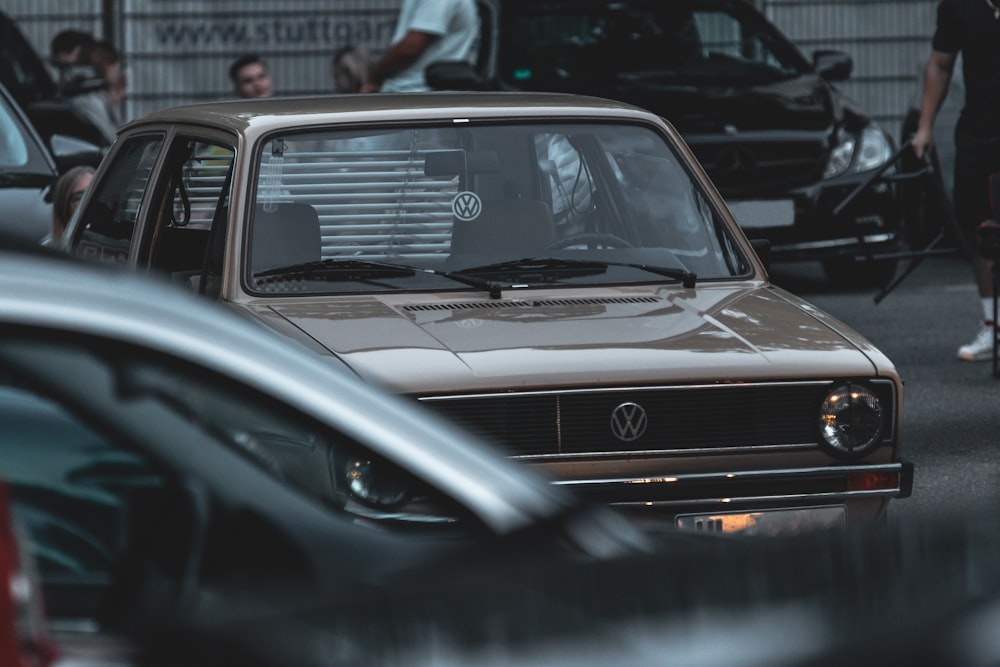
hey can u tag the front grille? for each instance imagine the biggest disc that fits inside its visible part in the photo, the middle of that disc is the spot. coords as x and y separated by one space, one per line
679 419
762 168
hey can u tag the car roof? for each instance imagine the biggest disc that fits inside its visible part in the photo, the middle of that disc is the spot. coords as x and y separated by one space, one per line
44 290
240 114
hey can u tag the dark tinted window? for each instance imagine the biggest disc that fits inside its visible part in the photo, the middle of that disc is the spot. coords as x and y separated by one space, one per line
580 47
108 223
77 494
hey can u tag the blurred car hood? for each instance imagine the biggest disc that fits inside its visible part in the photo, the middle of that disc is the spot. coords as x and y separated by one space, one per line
707 106
536 338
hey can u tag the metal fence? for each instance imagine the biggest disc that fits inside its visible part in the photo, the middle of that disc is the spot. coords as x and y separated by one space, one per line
178 51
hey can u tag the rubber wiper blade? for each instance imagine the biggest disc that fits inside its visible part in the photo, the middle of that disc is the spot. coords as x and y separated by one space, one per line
687 278
340 269
537 264
491 287
360 270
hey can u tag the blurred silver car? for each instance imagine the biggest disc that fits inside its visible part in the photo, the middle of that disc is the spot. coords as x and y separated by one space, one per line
553 272
166 456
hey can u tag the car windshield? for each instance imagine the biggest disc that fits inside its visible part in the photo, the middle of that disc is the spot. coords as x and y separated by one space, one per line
558 46
475 206
19 154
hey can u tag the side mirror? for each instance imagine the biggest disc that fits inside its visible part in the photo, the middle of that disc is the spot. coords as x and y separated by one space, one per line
455 75
833 65
72 152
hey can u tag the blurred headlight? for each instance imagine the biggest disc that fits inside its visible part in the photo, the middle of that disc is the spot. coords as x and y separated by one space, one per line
875 149
851 420
373 487
855 154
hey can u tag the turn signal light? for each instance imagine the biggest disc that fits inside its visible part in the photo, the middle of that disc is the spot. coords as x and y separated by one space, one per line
873 481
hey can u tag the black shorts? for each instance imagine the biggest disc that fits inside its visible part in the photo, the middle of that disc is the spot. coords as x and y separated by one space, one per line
977 159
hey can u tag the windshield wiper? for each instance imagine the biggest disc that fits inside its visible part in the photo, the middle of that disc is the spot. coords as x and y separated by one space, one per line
586 265
687 278
339 269
491 287
362 270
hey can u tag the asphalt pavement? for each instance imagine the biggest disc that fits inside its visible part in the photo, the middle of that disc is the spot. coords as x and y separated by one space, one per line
951 420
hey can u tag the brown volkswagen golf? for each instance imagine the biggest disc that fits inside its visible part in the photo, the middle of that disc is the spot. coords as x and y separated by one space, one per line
554 272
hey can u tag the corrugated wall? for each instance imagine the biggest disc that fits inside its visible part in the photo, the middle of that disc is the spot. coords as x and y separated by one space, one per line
183 54
888 39
179 50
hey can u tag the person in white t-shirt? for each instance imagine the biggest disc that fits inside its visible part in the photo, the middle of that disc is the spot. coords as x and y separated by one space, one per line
426 31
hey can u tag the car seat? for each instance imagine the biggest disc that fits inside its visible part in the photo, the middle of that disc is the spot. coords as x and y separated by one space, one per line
504 229
284 234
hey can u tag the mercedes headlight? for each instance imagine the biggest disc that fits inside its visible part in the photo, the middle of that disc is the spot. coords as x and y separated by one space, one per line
857 153
851 420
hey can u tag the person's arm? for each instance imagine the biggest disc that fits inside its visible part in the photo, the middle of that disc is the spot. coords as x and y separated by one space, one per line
937 79
398 57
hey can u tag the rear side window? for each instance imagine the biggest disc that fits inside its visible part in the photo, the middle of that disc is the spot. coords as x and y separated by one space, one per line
108 223
188 239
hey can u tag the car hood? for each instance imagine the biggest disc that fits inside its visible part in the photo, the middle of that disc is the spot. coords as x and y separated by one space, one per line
805 103
540 339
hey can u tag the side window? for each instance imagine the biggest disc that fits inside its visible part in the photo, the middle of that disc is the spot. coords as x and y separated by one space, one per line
108 223
78 495
189 235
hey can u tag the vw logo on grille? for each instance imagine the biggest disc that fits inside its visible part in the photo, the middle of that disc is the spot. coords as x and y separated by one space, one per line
466 206
735 164
628 422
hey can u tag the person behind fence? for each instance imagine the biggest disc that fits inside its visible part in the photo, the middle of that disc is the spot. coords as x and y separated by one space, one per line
426 31
972 28
349 68
251 76
100 104
66 50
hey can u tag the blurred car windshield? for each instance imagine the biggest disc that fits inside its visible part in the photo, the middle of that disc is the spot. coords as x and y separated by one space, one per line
19 151
671 42
411 208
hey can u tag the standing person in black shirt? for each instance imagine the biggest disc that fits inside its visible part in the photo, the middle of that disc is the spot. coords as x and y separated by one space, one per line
972 28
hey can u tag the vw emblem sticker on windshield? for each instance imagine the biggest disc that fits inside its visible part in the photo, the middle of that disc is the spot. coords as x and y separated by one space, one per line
628 422
466 206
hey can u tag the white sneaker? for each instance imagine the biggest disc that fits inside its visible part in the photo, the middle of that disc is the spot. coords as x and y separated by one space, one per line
981 347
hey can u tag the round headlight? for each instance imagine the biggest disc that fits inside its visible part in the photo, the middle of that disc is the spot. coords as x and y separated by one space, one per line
373 486
850 419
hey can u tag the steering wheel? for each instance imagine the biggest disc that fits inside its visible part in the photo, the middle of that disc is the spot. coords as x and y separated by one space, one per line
592 240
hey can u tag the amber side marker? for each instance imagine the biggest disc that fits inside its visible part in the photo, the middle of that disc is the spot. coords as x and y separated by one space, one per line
873 481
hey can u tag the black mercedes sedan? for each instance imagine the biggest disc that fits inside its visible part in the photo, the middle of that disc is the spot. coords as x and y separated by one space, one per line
791 153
